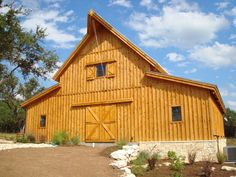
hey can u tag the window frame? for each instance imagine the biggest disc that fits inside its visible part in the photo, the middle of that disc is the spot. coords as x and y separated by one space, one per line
181 114
41 117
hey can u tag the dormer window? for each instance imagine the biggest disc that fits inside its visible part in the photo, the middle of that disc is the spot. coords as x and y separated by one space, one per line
101 69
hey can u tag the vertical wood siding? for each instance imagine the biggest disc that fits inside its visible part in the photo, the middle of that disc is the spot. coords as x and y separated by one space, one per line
147 118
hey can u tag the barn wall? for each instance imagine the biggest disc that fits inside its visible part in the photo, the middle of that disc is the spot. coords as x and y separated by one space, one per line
217 119
147 118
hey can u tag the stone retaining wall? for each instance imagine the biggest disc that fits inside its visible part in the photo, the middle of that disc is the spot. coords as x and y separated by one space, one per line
206 149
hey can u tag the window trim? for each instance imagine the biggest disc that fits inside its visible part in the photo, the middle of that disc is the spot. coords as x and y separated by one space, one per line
43 115
181 114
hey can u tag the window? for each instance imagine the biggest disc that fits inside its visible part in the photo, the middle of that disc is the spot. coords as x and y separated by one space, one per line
101 69
176 113
43 121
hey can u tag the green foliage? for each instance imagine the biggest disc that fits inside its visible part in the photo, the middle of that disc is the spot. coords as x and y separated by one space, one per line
171 155
156 156
31 138
152 160
231 141
220 157
22 139
192 157
121 143
8 136
230 117
141 159
138 170
177 174
75 140
60 138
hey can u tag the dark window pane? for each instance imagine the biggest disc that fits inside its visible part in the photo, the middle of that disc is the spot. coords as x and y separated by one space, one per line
101 69
176 113
43 121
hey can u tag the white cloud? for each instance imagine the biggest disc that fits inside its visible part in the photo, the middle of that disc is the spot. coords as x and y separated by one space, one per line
148 4
124 3
231 12
232 86
221 5
234 22
83 30
232 36
174 57
178 25
4 10
190 71
216 55
19 97
182 64
232 104
51 20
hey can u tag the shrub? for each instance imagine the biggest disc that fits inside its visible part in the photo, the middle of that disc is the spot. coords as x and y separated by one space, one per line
157 156
42 139
171 155
153 160
121 143
22 139
207 169
31 138
192 157
177 174
220 157
60 138
177 164
141 159
138 170
75 140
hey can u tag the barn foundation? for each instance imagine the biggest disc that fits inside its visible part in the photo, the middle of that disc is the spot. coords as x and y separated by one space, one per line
206 149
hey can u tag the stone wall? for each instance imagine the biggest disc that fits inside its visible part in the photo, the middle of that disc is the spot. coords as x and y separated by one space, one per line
206 149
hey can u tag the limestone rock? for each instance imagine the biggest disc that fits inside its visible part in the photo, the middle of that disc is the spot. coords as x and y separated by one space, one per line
128 175
166 164
228 168
119 155
126 170
119 164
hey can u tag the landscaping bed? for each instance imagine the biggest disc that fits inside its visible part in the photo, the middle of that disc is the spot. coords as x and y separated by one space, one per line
194 170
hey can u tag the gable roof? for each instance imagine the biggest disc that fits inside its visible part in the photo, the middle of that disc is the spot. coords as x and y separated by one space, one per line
40 95
213 88
93 16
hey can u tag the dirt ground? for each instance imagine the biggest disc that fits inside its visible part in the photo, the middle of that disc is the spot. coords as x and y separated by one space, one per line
77 161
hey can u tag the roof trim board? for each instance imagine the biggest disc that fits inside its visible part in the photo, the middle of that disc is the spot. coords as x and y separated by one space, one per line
93 15
40 95
213 88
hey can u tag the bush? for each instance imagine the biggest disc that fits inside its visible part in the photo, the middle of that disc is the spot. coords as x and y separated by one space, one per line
22 139
220 157
60 138
153 160
31 138
75 140
192 157
177 174
121 143
141 159
171 155
178 164
138 170
207 169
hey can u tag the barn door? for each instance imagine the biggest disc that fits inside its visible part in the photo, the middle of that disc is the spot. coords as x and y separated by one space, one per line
101 125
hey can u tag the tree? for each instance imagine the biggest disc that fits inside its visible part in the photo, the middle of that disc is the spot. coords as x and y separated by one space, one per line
22 55
230 123
21 50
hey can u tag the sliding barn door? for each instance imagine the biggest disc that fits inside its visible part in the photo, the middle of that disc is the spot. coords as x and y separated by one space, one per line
101 123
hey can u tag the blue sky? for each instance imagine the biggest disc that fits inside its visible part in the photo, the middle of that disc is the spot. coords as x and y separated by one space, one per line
190 39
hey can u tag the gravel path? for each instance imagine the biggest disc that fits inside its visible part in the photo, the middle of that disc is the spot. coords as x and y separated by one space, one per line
75 161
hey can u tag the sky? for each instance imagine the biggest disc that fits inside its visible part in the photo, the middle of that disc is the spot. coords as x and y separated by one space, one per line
190 39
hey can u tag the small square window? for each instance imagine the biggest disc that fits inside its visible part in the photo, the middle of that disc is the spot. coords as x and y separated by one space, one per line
101 69
176 113
43 121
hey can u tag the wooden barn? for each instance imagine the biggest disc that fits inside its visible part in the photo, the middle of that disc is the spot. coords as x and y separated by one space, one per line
109 90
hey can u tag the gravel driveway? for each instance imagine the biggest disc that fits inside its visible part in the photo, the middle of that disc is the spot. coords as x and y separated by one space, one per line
76 161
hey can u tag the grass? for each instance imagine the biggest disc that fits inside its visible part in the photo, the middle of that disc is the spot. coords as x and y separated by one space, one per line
8 136
231 142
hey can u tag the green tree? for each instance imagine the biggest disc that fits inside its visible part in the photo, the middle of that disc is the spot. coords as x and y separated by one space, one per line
230 117
22 55
21 50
